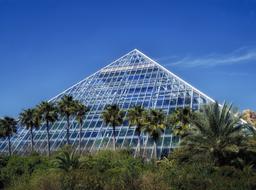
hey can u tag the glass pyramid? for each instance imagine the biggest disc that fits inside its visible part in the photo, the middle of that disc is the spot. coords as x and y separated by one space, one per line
133 79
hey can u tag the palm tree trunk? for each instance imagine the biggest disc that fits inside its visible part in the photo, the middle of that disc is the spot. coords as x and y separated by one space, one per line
155 151
68 130
114 137
139 143
9 146
32 139
48 138
80 137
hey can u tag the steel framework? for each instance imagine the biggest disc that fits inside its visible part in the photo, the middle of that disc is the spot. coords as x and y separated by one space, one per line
133 79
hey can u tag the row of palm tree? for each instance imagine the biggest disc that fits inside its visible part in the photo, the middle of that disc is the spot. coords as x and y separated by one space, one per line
213 122
45 113
152 122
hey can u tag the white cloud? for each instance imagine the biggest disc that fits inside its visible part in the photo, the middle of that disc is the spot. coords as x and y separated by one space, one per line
242 55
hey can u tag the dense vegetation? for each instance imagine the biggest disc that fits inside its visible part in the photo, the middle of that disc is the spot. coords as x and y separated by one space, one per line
119 170
217 151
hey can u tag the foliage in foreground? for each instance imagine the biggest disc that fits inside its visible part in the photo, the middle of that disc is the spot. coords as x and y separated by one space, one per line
109 170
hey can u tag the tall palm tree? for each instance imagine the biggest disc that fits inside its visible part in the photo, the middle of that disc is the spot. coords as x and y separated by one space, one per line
30 118
49 115
179 121
81 111
135 117
112 115
8 126
154 126
216 132
66 107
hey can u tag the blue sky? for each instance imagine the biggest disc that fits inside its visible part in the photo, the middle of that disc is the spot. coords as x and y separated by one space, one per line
47 46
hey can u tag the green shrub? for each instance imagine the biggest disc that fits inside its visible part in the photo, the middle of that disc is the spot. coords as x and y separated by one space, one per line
108 170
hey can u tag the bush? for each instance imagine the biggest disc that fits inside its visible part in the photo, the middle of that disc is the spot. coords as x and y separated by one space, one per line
108 170
116 170
152 181
19 168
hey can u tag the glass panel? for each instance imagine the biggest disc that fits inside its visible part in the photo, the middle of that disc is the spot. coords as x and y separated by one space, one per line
167 141
180 101
122 132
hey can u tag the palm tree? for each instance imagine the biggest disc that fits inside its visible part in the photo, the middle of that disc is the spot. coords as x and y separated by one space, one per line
49 115
154 126
30 118
135 117
112 115
216 132
66 107
68 161
81 111
179 121
8 126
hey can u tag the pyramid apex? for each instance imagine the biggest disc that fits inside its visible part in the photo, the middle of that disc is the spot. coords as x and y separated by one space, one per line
135 50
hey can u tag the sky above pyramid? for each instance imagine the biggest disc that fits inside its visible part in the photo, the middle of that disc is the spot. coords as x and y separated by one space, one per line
46 46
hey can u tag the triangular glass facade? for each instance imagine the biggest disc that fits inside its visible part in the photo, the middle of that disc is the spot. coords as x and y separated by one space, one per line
133 79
